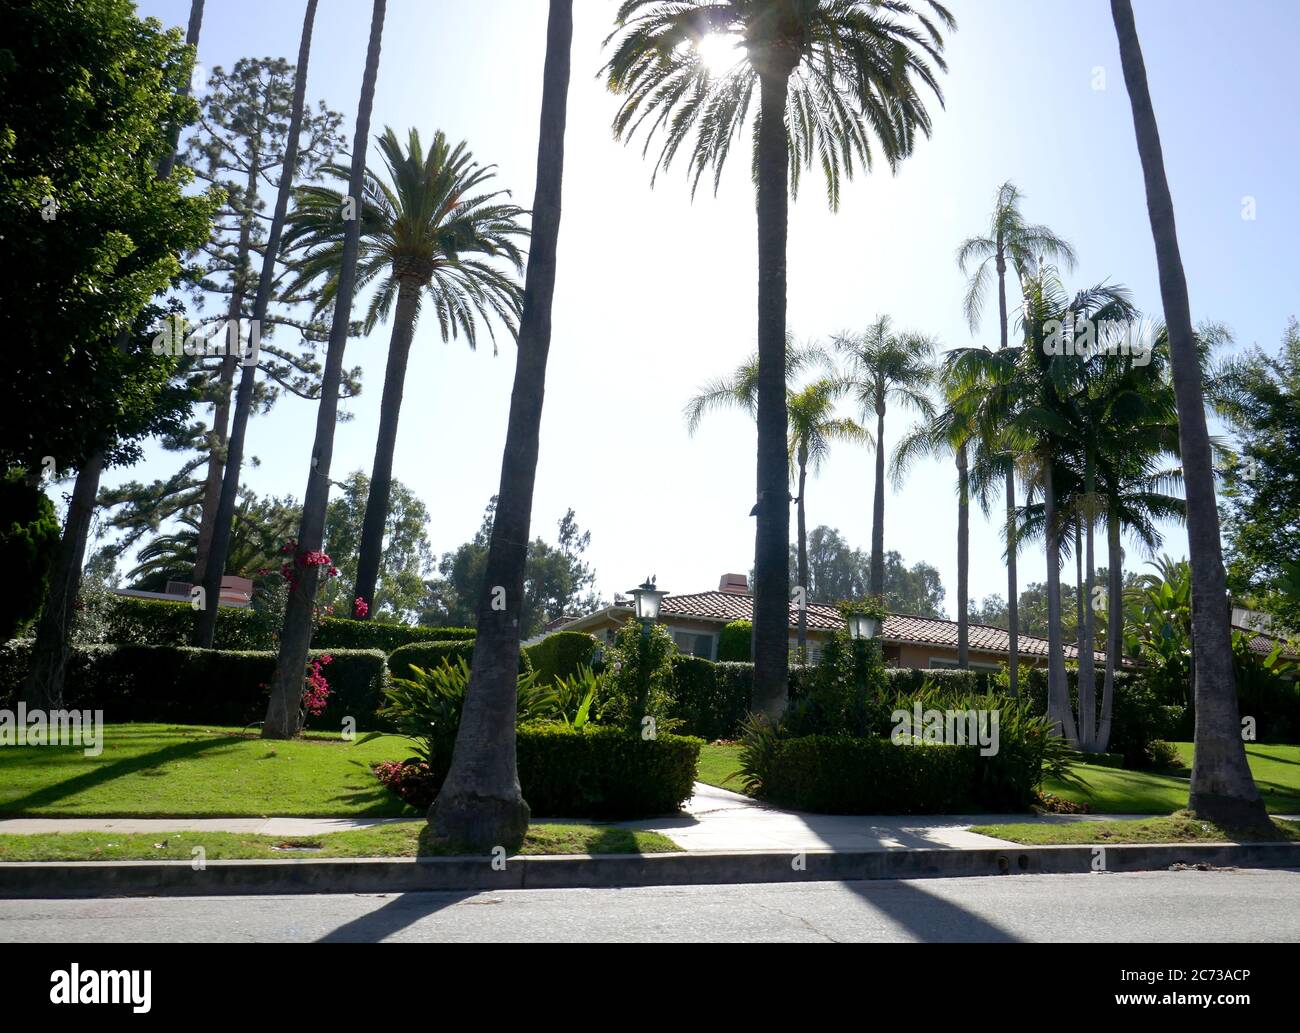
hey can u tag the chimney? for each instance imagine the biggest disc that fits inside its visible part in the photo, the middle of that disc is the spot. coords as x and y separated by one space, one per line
734 584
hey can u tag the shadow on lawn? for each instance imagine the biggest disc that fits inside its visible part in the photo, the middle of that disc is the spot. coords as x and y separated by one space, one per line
106 773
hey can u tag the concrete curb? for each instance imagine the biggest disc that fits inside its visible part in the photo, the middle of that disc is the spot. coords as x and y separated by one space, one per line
23 880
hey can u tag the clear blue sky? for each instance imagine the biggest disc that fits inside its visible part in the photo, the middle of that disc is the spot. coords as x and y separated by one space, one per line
657 293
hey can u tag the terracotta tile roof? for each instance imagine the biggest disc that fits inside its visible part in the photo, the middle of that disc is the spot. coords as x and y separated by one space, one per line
900 628
1263 644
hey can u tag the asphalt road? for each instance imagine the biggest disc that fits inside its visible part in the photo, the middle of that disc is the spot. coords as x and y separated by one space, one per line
1192 906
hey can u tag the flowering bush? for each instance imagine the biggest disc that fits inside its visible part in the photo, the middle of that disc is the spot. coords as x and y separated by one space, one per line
411 780
360 608
316 692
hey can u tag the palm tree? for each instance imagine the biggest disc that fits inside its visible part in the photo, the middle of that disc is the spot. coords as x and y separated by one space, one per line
480 803
1222 787
214 566
844 71
282 712
885 367
436 232
1027 246
813 427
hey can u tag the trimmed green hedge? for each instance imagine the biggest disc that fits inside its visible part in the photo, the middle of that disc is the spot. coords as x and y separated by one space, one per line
560 655
428 655
604 772
735 642
200 686
908 681
844 775
161 622
711 699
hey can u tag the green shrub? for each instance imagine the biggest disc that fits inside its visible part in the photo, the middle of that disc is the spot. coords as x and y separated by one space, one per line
560 655
200 686
343 633
429 655
735 642
638 677
604 772
128 621
906 681
29 541
844 693
425 707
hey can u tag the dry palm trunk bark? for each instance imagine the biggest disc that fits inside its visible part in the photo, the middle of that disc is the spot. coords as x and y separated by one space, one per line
480 803
803 556
1222 787
1114 623
370 552
1058 686
772 532
877 587
963 558
282 712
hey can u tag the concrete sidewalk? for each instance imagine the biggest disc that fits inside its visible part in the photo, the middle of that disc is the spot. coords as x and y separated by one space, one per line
713 820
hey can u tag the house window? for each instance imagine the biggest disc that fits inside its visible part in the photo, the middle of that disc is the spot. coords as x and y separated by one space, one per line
694 643
940 663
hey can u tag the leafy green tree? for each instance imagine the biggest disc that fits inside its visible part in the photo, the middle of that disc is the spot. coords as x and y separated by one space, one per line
407 559
432 232
255 130
885 367
1260 395
29 541
1222 787
838 572
835 78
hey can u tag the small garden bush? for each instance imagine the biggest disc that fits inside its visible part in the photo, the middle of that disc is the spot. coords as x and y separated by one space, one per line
560 655
638 680
735 642
343 633
429 655
29 541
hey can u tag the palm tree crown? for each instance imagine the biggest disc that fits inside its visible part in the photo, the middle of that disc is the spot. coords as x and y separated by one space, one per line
433 223
853 71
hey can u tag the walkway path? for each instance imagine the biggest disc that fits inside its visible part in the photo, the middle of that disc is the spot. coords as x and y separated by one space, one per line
714 819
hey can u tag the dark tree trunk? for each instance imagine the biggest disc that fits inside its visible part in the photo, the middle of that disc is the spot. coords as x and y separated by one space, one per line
1114 622
1013 600
371 551
772 534
803 557
1222 787
1058 687
44 685
1088 636
191 40
963 558
480 804
222 525
877 586
282 713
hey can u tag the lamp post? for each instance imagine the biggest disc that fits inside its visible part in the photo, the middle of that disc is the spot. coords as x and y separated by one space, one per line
646 600
863 626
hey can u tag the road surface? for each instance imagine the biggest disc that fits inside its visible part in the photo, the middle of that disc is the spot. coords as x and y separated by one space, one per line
1195 906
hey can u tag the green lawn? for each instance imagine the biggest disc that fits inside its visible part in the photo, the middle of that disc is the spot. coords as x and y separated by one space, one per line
1110 790
1174 828
179 770
408 839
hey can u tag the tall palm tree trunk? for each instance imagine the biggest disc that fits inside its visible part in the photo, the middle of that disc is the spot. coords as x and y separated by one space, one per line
480 803
803 556
877 586
43 687
772 535
1088 634
963 558
1013 602
1222 787
219 435
1058 687
1114 622
381 476
206 624
282 712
